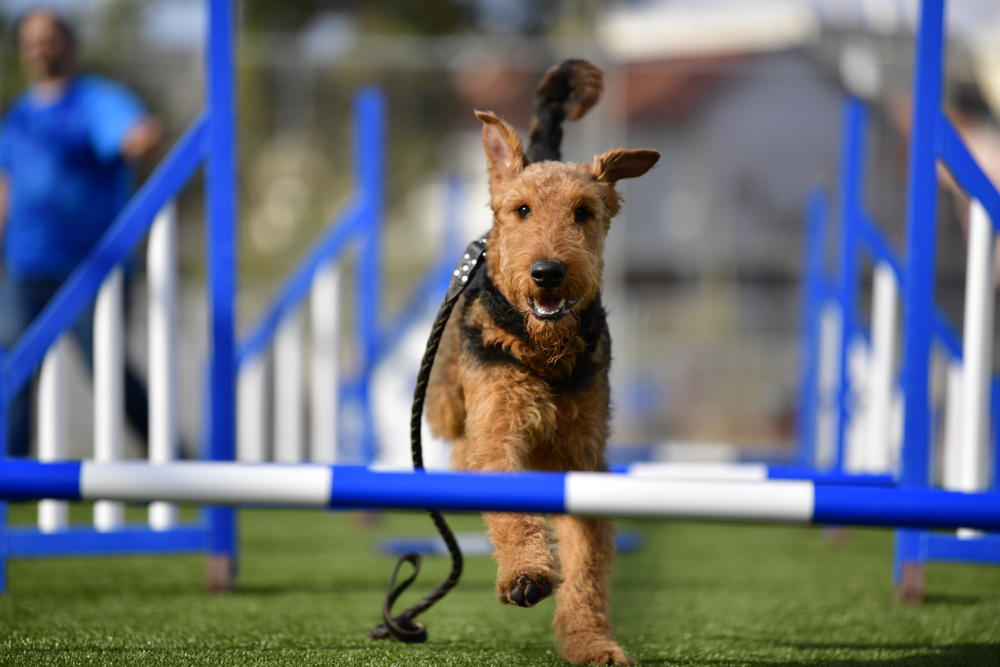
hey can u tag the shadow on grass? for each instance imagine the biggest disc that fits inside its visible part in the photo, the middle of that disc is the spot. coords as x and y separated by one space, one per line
946 599
964 655
297 588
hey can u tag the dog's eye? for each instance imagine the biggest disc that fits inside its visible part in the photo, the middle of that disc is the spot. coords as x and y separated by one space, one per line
581 214
523 211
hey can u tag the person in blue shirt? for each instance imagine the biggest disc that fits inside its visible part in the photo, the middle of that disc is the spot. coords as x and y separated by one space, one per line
66 148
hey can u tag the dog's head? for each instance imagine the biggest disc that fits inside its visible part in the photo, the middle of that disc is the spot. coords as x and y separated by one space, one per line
550 220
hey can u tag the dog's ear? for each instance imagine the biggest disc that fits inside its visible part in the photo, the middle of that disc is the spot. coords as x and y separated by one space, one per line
619 163
504 150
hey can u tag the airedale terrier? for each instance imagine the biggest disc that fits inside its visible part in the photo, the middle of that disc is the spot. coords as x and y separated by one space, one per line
521 379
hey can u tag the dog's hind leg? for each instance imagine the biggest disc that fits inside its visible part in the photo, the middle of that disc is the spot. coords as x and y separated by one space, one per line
583 628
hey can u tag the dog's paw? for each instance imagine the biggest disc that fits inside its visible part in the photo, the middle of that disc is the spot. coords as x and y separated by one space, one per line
525 591
605 652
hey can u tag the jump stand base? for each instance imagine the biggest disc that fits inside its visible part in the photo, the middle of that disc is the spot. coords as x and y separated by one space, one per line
912 583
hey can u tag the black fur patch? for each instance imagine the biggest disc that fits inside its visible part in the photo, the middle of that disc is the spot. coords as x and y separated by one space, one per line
473 343
500 310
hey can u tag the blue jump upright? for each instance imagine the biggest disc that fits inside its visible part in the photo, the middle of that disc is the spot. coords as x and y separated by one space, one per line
933 138
209 141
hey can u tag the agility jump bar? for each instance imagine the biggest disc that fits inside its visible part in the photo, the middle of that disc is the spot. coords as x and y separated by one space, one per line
587 494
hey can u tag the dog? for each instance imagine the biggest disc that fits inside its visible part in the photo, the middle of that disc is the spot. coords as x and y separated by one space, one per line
521 378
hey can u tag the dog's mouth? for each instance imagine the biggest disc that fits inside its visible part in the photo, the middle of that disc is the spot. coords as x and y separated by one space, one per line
549 307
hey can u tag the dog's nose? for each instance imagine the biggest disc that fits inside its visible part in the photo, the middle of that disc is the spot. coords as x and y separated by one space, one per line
548 274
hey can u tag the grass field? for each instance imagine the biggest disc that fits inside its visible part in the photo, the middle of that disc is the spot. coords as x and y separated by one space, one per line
311 585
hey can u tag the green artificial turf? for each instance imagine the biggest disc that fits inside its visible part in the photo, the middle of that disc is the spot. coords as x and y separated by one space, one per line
311 585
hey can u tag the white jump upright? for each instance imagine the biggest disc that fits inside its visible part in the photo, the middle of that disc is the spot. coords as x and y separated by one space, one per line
251 410
289 389
161 275
831 329
109 389
950 463
879 455
977 346
53 515
324 306
294 439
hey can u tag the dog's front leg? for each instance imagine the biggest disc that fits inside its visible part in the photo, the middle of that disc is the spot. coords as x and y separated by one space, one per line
527 570
583 628
502 426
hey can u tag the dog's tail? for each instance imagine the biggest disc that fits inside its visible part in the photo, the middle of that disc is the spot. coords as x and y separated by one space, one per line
568 90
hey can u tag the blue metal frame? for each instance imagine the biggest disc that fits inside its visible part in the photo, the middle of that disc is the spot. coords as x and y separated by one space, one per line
360 223
210 140
815 293
859 235
848 262
933 138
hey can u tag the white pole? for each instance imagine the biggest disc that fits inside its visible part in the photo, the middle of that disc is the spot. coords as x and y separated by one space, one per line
251 403
325 309
53 515
856 435
830 331
881 375
161 274
977 353
289 394
952 427
109 389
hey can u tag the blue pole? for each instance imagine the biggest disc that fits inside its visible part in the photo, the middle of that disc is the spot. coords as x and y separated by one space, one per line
221 251
3 455
994 483
814 286
369 158
848 274
918 293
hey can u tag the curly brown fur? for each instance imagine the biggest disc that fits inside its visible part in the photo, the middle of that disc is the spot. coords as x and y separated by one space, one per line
521 381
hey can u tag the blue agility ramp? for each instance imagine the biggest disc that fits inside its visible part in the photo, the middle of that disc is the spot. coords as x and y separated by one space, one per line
582 493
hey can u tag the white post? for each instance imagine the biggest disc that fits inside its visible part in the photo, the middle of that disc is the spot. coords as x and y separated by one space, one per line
251 405
977 355
325 309
53 515
880 383
109 389
856 435
289 394
952 427
161 275
830 331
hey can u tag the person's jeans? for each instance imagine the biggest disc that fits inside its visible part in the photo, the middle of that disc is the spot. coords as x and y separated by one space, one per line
20 303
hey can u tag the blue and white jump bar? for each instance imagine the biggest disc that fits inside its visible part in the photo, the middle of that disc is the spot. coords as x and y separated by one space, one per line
588 494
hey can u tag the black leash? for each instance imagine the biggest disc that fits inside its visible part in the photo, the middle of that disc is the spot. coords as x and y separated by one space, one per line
403 627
